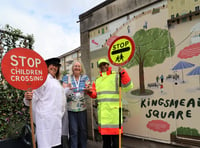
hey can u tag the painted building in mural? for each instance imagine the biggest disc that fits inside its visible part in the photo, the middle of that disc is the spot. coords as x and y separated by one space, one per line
165 102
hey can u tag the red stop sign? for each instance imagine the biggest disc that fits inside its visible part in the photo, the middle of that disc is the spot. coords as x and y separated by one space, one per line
24 68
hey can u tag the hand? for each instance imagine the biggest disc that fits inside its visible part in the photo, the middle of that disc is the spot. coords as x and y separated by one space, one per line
88 89
69 85
28 95
120 69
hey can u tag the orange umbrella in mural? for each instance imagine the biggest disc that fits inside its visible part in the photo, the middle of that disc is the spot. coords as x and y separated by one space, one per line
190 51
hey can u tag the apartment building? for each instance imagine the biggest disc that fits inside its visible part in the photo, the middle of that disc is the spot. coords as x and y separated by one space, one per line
67 60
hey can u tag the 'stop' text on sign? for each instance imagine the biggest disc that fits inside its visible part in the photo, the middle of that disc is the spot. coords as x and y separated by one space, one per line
24 68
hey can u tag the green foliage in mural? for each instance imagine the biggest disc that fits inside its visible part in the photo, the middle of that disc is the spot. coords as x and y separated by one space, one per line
153 46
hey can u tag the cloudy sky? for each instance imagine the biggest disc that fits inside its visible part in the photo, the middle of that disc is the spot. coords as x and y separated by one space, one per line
52 22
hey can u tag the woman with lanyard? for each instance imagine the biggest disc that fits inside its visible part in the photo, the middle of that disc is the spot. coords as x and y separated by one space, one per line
76 106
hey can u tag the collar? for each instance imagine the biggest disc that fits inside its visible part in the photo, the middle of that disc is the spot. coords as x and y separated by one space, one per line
108 72
51 76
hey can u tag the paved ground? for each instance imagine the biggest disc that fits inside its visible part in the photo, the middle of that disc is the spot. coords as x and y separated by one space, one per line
129 142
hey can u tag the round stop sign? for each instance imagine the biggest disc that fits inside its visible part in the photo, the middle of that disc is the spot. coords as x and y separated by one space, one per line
24 68
121 50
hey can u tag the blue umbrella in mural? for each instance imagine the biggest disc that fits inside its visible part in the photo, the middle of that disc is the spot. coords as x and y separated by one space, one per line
195 71
182 65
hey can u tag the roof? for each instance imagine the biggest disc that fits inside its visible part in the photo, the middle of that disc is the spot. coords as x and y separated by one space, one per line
89 12
70 52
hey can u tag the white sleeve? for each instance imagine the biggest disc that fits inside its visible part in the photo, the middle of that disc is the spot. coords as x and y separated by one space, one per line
66 90
26 102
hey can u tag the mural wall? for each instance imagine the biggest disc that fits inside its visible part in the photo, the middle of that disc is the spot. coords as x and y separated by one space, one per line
165 102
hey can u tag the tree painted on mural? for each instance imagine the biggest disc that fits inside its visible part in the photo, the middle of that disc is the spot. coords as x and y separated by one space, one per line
153 46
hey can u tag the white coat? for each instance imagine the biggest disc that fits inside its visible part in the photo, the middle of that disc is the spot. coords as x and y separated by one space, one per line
48 105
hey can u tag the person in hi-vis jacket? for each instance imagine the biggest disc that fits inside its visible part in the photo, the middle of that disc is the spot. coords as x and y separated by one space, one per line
106 90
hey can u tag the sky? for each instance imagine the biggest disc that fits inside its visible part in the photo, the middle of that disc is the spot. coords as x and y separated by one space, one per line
53 23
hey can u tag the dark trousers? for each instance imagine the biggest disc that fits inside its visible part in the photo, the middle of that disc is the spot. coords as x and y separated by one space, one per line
110 141
65 141
78 129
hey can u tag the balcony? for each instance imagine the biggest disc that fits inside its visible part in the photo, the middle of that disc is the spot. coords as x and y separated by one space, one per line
182 17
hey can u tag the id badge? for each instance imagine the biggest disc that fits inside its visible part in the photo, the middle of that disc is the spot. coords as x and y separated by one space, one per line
78 95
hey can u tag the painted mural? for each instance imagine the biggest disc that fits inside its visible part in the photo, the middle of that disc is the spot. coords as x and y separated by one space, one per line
165 102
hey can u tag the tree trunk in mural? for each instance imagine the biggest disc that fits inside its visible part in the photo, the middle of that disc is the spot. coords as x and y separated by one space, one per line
141 78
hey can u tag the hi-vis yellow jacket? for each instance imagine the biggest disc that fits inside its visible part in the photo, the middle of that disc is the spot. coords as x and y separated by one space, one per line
106 90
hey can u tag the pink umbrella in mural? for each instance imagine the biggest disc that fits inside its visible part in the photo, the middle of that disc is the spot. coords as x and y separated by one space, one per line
190 51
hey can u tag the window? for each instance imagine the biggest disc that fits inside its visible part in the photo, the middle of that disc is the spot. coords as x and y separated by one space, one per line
128 29
184 19
92 65
128 17
102 30
197 8
74 55
155 10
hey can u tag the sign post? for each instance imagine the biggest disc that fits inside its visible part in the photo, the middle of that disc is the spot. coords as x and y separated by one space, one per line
120 53
32 126
24 69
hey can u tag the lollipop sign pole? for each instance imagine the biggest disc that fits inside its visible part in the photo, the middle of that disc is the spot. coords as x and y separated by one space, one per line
32 126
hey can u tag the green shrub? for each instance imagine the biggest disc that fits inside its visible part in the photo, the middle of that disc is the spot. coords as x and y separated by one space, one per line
13 113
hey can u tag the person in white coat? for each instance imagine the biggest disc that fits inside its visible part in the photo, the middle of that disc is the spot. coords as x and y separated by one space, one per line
48 104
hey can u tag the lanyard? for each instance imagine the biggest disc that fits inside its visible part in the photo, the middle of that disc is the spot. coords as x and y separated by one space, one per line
77 83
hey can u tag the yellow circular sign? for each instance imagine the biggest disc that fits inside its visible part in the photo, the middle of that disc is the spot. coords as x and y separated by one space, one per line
121 51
